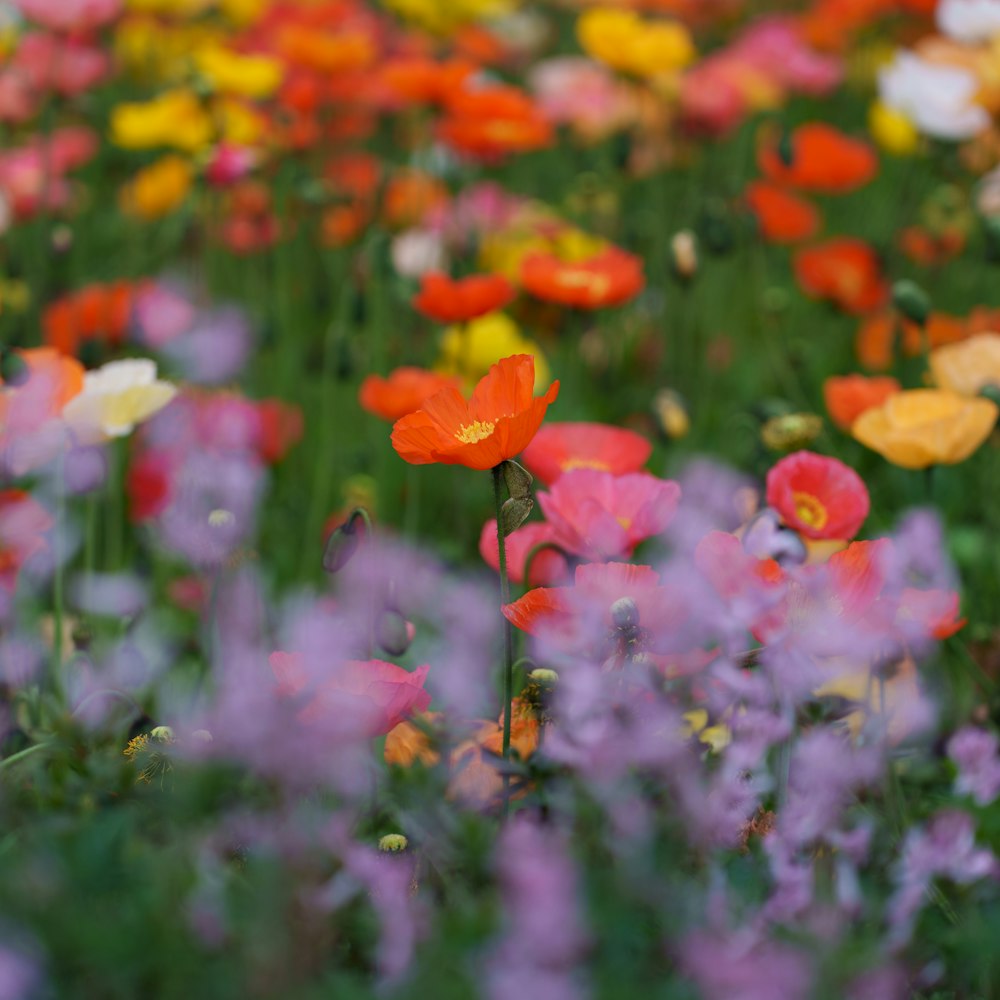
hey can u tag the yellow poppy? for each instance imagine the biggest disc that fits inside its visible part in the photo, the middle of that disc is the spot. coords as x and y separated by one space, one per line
968 366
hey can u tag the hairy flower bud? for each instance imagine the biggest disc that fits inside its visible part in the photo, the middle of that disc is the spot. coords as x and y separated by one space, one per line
912 301
393 843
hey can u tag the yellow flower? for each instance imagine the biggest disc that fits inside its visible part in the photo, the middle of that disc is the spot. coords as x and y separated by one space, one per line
152 50
892 130
250 76
469 349
173 8
624 41
444 16
239 123
922 427
716 737
157 190
174 118
968 366
242 12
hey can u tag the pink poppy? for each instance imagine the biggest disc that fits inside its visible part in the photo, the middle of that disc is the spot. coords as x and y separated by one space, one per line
602 516
68 67
575 91
562 447
70 15
548 566
365 697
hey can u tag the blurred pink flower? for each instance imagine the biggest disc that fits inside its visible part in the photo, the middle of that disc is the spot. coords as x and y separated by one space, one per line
69 15
575 91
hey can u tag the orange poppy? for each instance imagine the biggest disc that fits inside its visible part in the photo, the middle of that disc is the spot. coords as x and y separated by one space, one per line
425 81
494 121
875 343
409 196
609 278
782 216
844 270
404 391
848 396
927 249
457 301
496 424
95 312
822 159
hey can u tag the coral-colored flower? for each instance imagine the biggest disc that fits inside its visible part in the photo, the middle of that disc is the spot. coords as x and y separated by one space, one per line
782 216
608 278
404 391
561 447
848 396
818 496
877 335
458 300
496 424
369 696
548 566
494 121
598 515
844 270
822 159
921 427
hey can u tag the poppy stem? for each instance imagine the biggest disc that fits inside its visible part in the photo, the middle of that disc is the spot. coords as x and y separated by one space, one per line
508 635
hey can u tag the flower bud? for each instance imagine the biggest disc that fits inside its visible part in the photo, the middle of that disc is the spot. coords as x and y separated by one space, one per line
344 541
514 513
684 251
671 414
544 677
163 734
791 431
625 613
393 843
393 632
912 301
517 480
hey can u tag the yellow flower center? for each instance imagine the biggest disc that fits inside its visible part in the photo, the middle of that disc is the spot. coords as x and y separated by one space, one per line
809 510
625 522
585 463
476 431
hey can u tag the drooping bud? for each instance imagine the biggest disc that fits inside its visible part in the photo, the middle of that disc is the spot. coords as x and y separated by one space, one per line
344 541
912 301
514 513
625 613
517 479
393 632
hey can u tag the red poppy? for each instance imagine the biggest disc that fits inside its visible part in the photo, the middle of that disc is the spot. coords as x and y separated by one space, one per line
782 216
818 496
561 447
547 567
410 196
598 515
848 396
457 301
821 159
844 270
496 424
929 249
609 278
494 121
403 392
94 312
370 697
281 426
149 484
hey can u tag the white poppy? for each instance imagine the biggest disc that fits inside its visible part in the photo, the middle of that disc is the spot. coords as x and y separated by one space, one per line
115 398
939 100
969 21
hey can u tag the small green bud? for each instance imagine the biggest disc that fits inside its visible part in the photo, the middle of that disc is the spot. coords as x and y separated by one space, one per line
912 301
393 843
544 677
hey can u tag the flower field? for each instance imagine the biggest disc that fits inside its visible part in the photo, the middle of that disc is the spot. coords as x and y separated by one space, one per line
500 499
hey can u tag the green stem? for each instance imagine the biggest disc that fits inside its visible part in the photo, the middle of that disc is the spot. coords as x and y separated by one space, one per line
21 754
508 634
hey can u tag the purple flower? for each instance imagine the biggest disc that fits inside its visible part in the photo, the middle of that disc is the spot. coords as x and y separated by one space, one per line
974 752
